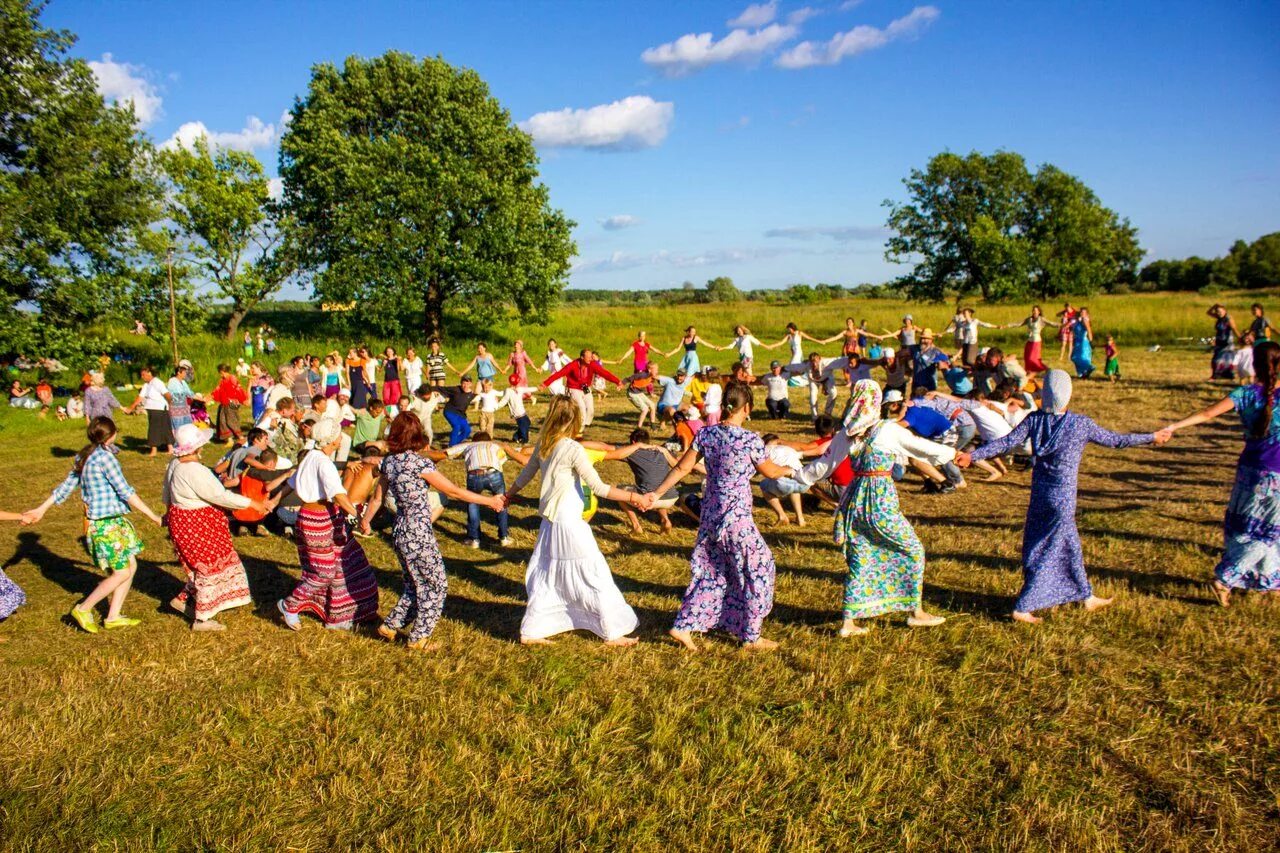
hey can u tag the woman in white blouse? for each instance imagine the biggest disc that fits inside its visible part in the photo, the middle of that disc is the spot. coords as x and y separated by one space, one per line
568 582
201 537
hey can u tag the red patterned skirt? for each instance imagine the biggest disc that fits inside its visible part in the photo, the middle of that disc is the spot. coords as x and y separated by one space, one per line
215 575
338 586
1031 358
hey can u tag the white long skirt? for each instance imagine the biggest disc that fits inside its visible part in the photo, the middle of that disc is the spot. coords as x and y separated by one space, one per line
570 587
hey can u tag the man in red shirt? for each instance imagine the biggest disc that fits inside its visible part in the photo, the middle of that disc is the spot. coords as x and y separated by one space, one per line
577 376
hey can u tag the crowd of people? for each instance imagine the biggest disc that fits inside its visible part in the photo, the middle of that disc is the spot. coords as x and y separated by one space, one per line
328 453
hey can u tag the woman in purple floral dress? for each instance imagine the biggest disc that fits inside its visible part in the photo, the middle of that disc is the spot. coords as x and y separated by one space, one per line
11 595
1052 561
733 569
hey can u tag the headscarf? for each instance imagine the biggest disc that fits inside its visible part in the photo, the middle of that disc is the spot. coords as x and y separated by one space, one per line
1056 393
863 411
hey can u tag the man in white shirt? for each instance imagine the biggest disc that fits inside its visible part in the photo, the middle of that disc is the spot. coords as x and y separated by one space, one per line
777 399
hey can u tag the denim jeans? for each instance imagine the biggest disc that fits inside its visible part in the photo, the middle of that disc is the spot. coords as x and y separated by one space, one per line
778 408
522 430
492 483
460 429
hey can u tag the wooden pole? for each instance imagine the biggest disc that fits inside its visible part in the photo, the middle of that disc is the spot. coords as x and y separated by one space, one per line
173 311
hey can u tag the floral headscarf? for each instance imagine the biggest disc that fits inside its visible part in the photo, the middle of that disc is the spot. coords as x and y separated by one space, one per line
863 411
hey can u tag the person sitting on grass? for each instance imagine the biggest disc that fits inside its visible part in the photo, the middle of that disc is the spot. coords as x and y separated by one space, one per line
673 393
233 464
650 464
776 382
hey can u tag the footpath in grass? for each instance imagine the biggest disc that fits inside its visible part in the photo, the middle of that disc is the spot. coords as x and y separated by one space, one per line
1150 725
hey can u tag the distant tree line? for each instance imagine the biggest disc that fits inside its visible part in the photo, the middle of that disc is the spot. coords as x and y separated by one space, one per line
720 289
1248 266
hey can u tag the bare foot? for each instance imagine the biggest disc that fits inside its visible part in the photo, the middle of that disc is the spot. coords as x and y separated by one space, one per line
992 478
622 642
851 628
760 645
801 522
1093 603
1222 592
539 641
1019 616
666 527
636 530
780 521
684 638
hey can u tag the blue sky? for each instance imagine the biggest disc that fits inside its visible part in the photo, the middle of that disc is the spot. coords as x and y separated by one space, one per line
695 139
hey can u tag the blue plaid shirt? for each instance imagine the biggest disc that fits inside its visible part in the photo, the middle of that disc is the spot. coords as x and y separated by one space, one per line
102 485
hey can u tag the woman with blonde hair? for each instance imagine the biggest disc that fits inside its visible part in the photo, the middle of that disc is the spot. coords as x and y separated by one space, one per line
568 582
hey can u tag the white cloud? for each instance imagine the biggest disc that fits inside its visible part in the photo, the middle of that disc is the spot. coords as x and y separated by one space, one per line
626 125
756 15
840 233
691 52
804 13
850 4
678 260
617 223
858 40
121 83
275 188
255 134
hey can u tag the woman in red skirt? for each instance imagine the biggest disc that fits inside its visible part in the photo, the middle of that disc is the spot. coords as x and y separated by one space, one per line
338 585
198 529
1032 356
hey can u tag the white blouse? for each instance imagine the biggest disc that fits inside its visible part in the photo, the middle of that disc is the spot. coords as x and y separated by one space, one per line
892 437
190 485
564 471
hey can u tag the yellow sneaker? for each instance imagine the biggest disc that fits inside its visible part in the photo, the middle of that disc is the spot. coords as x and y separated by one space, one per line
121 622
84 618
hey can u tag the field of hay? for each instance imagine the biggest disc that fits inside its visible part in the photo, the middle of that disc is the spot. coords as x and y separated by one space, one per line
1150 725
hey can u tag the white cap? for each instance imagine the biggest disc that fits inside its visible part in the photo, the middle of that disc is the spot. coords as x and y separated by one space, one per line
893 395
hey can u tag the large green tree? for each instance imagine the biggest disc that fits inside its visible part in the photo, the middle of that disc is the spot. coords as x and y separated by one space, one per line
985 224
416 192
76 193
224 221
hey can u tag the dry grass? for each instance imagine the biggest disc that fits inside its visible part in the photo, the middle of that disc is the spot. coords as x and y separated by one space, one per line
1152 725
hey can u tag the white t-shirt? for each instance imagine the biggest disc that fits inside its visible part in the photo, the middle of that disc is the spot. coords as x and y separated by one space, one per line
152 395
991 424
277 393
317 479
513 399
488 401
711 399
784 456
412 371
1243 361
777 386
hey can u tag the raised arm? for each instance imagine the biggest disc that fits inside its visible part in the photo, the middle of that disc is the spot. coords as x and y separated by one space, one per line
598 370
1208 413
559 374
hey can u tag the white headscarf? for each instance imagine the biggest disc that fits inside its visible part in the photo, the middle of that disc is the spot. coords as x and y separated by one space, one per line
1056 393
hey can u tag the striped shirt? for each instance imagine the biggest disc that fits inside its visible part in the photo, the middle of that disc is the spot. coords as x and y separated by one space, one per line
102 486
480 455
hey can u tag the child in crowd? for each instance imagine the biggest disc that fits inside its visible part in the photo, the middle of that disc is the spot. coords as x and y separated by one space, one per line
784 455
650 464
424 406
1112 370
233 464
262 484
484 459
371 423
75 406
1243 362
230 396
513 398
712 396
640 388
487 401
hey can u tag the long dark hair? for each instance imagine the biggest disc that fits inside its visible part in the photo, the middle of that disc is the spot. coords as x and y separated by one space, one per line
1266 361
100 431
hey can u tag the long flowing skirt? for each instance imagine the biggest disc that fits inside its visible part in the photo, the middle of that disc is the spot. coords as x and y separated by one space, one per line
1251 532
215 576
689 362
1082 356
1052 562
1031 357
883 553
338 586
569 584
11 596
425 583
159 431
733 576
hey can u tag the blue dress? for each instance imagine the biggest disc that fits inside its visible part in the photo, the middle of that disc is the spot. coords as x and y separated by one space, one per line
689 362
1052 562
11 596
1082 350
1251 528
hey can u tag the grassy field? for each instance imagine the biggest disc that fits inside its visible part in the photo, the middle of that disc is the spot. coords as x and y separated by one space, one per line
1151 725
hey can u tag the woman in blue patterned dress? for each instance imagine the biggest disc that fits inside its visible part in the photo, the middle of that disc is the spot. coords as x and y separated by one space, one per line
733 568
1082 344
1052 562
883 553
1251 529
406 475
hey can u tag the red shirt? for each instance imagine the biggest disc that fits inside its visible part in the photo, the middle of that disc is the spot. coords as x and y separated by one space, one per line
228 392
577 376
842 475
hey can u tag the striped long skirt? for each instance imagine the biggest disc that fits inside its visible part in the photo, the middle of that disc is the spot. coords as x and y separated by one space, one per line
338 586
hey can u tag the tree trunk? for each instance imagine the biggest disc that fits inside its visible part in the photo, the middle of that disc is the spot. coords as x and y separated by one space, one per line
238 312
433 320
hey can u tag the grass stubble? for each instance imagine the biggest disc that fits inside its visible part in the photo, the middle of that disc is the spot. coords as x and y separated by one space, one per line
1150 725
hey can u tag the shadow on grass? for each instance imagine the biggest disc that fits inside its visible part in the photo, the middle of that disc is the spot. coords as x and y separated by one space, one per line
150 579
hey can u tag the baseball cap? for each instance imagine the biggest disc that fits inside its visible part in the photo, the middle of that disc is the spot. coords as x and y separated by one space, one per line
893 395
774 363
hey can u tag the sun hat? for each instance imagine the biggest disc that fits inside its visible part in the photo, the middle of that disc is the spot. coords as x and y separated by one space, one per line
893 395
189 438
344 392
186 362
325 432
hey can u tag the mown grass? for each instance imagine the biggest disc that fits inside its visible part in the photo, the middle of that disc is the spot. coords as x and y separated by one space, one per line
1151 725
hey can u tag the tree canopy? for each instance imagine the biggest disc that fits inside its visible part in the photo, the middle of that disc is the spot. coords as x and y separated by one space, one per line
986 224
415 190
223 219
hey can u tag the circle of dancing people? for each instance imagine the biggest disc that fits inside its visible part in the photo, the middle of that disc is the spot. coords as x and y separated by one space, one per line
298 472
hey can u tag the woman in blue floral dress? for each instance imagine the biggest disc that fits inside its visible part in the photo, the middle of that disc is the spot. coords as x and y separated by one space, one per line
883 553
1251 529
407 474
11 595
733 568
1052 561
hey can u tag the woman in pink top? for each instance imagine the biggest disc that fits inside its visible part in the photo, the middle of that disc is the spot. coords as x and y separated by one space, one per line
518 364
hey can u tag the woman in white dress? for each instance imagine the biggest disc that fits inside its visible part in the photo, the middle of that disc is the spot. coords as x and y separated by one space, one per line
568 582
411 367
556 359
794 339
